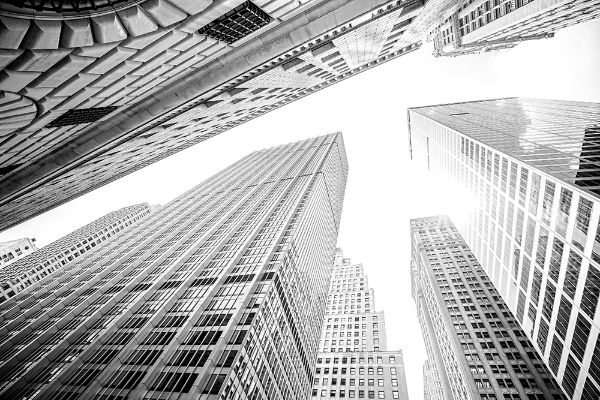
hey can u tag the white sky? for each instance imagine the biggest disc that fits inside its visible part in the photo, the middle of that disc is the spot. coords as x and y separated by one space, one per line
384 188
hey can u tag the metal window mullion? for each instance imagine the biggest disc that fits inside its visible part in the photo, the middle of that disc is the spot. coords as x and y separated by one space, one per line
120 275
181 289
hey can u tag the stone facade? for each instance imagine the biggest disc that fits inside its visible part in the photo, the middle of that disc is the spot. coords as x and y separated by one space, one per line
353 359
89 98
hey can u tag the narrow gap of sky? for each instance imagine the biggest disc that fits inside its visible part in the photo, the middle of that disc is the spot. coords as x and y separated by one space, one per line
385 189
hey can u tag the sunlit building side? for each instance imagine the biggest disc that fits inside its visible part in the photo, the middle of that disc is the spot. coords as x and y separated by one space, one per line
55 256
353 360
478 26
532 165
219 294
476 349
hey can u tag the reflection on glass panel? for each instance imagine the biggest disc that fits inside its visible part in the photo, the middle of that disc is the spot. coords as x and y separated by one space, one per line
555 354
555 259
582 222
588 174
564 206
523 186
504 173
572 273
536 285
542 334
496 169
529 232
519 227
548 200
525 268
540 257
564 315
596 248
549 300
513 179
580 337
591 292
535 193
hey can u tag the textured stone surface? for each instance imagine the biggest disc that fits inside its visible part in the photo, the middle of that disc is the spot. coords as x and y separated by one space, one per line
171 74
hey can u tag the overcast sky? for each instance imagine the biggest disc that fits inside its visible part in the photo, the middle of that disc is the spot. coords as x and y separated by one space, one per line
384 188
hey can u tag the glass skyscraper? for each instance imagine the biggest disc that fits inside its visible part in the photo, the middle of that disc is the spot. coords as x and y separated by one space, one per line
353 359
219 294
476 349
533 167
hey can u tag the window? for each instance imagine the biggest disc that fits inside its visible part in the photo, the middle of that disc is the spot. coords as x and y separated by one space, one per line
237 23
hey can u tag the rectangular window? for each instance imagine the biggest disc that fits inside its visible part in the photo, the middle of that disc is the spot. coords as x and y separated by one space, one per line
580 337
540 257
582 222
564 315
564 207
555 354
572 273
549 300
591 292
556 259
571 374
547 203
542 334
534 194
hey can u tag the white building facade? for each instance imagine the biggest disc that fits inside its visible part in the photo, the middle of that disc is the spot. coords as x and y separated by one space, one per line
531 167
353 359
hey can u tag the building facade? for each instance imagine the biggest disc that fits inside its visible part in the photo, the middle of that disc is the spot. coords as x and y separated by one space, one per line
353 360
531 166
474 26
42 262
219 294
475 347
90 95
14 250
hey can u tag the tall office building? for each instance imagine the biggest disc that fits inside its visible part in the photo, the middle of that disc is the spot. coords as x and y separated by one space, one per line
91 91
219 294
532 167
42 262
353 359
473 26
475 347
14 250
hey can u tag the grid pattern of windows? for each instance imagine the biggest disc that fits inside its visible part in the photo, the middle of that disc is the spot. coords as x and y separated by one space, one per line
474 343
353 360
542 137
57 254
220 292
474 26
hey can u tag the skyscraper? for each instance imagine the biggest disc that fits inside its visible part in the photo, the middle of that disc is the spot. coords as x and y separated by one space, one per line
475 347
474 26
92 91
221 292
50 258
14 250
353 359
532 167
